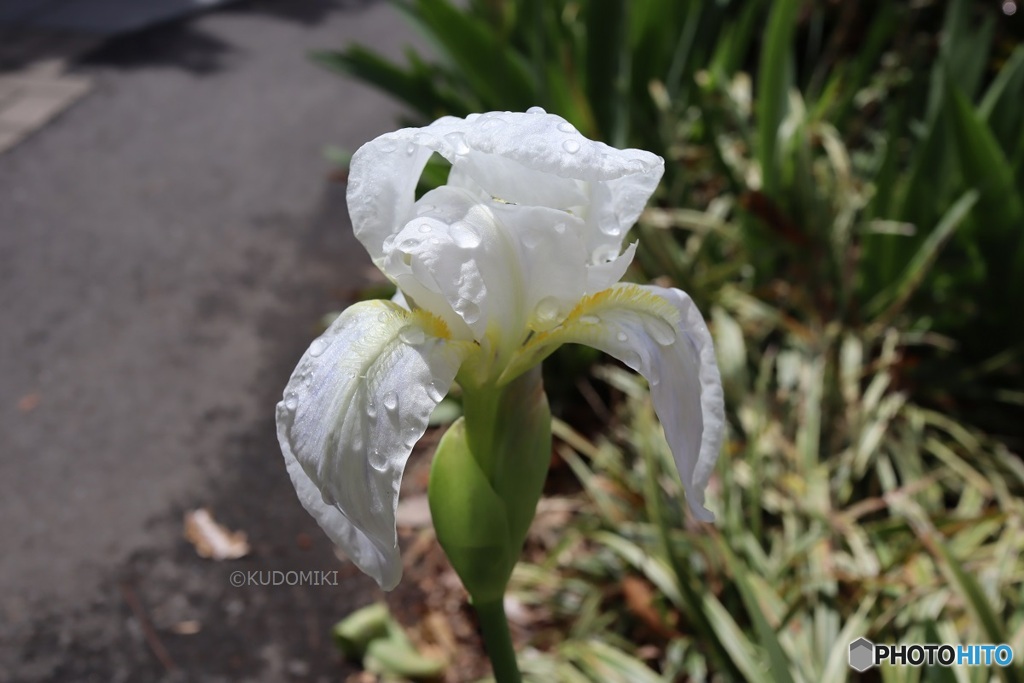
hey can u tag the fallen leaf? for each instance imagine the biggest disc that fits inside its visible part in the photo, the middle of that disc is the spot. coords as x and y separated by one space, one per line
213 540
28 402
189 627
640 601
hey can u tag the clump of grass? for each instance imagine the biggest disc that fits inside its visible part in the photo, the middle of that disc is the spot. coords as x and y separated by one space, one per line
844 510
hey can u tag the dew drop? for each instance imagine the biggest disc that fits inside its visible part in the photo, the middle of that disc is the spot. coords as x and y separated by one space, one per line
435 241
458 143
560 228
410 149
383 317
371 410
531 237
409 243
465 235
412 335
571 146
425 228
546 310
291 403
391 401
605 253
622 337
662 332
590 320
317 347
566 127
326 496
388 146
435 392
469 311
536 110
389 243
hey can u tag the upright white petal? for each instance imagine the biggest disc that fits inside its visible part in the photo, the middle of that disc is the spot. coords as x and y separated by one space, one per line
532 159
659 333
356 404
489 266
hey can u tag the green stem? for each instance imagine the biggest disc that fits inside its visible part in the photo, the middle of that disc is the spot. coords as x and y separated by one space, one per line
498 641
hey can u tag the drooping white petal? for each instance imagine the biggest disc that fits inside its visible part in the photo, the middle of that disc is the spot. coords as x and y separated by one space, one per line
356 404
532 159
659 333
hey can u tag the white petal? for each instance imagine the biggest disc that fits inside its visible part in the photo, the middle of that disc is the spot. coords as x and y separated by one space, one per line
356 404
487 265
659 333
531 159
602 273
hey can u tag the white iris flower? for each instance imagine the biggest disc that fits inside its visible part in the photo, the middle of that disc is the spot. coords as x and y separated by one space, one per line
519 253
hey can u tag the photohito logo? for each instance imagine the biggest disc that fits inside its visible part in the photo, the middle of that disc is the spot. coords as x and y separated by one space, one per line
864 654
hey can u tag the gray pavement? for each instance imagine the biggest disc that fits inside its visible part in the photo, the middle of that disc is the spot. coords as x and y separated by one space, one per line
166 247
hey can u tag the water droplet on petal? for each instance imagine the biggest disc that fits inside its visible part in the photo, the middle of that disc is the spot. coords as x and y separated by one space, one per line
326 496
409 243
388 146
410 149
590 320
560 228
458 143
425 228
536 110
389 243
435 392
531 237
383 317
605 253
435 241
662 332
571 146
371 410
412 335
546 311
469 311
622 337
291 403
318 346
465 235
566 127
391 401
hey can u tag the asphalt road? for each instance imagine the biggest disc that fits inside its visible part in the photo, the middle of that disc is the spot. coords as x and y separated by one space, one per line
166 248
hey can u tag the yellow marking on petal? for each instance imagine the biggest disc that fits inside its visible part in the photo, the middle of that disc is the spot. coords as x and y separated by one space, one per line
626 296
620 297
431 324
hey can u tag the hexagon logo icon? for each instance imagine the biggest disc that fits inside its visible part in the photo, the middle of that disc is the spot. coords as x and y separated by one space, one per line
862 654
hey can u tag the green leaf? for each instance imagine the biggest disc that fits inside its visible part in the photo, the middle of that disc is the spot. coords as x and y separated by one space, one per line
353 634
490 66
779 662
608 67
888 303
774 77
